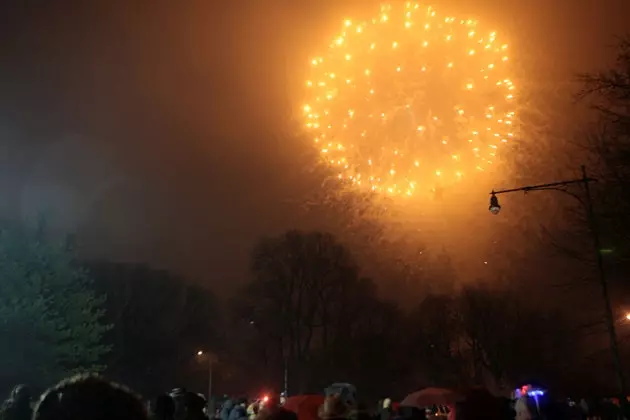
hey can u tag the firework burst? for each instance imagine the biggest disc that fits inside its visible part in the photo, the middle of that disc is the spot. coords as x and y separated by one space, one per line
410 100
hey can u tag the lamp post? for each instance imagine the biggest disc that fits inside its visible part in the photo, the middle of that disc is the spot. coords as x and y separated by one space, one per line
286 376
211 360
587 203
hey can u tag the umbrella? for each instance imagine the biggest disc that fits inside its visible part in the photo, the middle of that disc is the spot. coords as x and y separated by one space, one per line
305 406
432 396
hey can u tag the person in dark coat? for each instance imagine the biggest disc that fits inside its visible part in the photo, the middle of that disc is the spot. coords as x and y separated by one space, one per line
410 413
194 407
163 408
179 398
239 411
386 410
226 409
18 405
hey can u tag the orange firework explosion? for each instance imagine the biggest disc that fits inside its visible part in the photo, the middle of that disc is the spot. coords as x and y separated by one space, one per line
410 100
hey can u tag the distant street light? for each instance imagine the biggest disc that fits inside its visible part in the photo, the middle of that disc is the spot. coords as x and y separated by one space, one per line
587 203
211 360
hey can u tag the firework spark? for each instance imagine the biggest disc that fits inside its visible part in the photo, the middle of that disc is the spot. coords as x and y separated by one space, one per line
410 100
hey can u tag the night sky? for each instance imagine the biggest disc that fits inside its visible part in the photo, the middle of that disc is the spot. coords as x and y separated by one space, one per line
162 131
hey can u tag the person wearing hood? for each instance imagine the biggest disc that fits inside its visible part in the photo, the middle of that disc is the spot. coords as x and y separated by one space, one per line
239 412
226 409
163 408
252 410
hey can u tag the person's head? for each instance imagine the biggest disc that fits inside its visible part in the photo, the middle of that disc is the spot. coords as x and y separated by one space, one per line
273 401
333 407
242 401
387 403
89 397
163 407
21 393
20 397
195 402
270 409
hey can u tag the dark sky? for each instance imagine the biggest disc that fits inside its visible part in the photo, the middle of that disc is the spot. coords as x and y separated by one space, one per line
162 130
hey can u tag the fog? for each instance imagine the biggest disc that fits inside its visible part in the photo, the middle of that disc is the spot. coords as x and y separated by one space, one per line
170 134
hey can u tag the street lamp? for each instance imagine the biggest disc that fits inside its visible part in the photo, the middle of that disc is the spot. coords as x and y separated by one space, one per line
587 203
494 208
211 360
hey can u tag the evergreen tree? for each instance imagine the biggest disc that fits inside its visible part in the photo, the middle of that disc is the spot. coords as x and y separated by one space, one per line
50 318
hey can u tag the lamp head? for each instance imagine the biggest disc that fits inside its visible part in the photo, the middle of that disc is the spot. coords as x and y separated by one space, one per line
494 208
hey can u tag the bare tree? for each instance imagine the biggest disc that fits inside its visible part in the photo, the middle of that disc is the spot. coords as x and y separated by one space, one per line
508 338
298 277
435 339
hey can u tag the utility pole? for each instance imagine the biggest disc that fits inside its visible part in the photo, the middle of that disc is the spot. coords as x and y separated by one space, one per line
610 320
286 377
587 203
210 405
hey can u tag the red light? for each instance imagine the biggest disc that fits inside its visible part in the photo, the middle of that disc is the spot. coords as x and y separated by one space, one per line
265 398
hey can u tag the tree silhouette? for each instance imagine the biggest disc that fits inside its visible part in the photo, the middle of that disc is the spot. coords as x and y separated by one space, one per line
509 339
298 278
160 322
311 310
608 140
434 333
52 321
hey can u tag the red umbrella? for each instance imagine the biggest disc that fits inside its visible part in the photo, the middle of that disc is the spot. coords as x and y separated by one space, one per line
305 406
432 396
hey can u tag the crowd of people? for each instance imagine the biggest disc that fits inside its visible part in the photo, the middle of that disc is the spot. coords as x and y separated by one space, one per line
86 397
269 408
